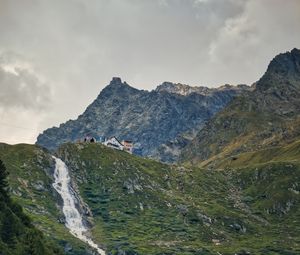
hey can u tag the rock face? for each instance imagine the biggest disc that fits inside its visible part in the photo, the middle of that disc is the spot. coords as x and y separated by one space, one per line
283 72
150 119
266 117
185 90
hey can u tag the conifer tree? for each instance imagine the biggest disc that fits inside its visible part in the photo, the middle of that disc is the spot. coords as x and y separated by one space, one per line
3 176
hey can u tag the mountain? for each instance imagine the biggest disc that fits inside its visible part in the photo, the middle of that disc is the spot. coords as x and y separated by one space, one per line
266 117
150 119
235 192
140 206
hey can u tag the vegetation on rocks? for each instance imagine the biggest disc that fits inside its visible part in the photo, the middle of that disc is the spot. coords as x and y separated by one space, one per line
263 118
141 206
18 236
30 178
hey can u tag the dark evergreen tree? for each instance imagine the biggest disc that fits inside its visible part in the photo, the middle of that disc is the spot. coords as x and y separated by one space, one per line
3 176
9 228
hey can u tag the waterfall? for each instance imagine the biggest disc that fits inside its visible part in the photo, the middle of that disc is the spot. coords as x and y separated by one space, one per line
62 184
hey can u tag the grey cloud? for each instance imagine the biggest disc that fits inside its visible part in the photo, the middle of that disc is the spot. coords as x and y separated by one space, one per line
22 89
247 42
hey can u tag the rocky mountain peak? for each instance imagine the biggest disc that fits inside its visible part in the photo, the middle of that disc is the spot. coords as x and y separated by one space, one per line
116 81
286 63
150 119
262 118
295 51
283 69
117 88
181 89
185 90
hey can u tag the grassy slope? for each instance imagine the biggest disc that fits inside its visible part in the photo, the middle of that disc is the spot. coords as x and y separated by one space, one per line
268 183
31 180
145 207
286 153
17 234
270 191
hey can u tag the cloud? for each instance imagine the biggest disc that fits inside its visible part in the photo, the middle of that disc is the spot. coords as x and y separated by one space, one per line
20 87
25 98
247 42
19 126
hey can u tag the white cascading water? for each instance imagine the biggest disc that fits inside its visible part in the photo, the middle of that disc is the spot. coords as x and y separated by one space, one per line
74 223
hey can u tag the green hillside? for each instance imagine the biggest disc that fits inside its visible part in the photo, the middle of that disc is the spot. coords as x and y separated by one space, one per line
140 206
285 153
17 234
31 169
144 207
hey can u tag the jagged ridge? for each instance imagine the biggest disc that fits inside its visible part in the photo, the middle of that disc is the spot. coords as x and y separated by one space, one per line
150 119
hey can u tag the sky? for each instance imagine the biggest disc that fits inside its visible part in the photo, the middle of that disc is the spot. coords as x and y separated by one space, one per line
56 56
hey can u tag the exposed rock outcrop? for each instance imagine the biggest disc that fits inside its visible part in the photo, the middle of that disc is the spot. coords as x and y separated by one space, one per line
150 119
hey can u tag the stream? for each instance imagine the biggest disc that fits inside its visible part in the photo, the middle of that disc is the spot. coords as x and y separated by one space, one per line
74 222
